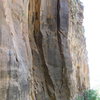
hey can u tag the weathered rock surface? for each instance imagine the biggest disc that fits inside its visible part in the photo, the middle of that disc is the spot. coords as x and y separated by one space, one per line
42 50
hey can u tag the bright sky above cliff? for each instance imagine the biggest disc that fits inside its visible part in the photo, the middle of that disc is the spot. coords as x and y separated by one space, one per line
92 33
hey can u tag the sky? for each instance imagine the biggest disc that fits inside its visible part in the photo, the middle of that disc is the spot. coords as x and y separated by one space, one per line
92 34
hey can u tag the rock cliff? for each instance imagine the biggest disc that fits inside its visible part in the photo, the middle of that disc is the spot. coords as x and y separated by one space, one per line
42 50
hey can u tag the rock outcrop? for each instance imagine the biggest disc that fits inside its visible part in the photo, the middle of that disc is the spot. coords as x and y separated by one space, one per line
42 50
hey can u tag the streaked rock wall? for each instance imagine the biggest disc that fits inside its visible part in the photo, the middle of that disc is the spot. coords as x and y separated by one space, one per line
42 50
15 52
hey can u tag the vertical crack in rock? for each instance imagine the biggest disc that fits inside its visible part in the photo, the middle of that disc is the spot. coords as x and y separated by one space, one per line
64 80
48 80
59 37
38 41
0 37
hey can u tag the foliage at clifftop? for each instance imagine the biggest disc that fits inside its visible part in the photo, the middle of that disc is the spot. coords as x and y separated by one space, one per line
89 95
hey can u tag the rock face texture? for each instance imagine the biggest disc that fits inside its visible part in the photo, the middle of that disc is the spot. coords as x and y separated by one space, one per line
42 50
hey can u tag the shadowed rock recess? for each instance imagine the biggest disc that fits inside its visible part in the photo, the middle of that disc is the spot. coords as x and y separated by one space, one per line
42 50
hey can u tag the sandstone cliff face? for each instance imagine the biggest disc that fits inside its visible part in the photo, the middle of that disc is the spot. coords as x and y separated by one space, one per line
42 50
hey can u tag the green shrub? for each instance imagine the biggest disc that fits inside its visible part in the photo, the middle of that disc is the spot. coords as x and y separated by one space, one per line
89 95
